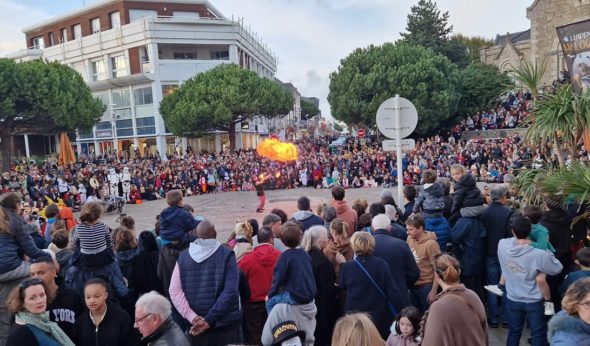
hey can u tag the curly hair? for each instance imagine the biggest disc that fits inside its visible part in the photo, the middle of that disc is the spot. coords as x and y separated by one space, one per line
574 296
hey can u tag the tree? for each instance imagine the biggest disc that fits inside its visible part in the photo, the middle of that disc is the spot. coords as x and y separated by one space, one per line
427 26
369 76
221 98
473 44
530 74
309 109
43 97
481 85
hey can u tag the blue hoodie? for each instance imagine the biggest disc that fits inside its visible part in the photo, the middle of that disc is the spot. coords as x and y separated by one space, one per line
520 265
175 223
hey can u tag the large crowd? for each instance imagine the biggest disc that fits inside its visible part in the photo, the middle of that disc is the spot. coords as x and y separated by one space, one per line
442 269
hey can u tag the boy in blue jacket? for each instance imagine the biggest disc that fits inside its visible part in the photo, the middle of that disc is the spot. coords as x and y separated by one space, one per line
292 280
175 221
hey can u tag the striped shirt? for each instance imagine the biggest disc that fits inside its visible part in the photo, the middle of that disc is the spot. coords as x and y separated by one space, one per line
92 239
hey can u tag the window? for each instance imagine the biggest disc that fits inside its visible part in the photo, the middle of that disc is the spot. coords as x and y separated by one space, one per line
95 25
184 56
115 19
51 39
119 66
220 55
104 129
143 96
145 126
124 127
121 98
168 89
64 35
136 15
104 98
98 70
38 43
76 31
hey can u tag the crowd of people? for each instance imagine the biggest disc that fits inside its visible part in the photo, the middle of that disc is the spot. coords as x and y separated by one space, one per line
513 108
442 269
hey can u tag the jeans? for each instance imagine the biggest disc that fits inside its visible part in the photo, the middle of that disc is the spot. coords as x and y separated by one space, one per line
493 273
534 313
280 298
419 297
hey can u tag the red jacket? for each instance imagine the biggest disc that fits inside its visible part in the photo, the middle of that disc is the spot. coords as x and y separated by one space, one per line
258 266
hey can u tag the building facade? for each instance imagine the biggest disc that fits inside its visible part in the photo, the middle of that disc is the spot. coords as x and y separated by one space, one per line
132 53
540 42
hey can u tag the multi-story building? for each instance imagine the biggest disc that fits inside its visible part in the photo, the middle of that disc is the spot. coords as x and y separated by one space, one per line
132 53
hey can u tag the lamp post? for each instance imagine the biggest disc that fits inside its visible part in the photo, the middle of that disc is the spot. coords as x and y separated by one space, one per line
114 127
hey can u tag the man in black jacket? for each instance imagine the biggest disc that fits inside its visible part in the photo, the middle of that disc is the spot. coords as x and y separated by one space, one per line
397 254
496 218
66 305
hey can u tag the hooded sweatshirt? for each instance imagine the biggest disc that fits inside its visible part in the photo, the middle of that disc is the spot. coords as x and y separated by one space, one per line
303 315
346 213
175 223
258 266
520 265
307 219
424 251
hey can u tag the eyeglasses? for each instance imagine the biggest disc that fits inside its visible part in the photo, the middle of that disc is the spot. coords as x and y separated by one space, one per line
140 319
585 305
30 282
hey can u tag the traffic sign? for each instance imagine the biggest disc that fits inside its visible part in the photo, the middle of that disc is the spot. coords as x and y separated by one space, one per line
361 133
391 145
386 120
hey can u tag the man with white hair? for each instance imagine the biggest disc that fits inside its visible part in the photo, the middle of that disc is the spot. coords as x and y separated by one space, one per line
154 322
397 254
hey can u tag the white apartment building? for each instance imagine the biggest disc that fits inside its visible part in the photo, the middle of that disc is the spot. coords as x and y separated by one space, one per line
132 53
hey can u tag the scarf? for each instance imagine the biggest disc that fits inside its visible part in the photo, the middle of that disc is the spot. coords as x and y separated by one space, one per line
42 322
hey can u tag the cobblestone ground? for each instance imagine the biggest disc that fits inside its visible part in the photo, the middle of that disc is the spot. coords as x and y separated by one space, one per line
224 208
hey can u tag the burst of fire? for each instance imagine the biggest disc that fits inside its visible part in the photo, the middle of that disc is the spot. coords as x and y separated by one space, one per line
277 150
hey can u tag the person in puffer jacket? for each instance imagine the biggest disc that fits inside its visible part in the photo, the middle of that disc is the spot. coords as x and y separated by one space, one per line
467 198
571 326
432 204
15 242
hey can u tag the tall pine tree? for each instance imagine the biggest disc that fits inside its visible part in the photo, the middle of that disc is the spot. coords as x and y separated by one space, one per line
427 26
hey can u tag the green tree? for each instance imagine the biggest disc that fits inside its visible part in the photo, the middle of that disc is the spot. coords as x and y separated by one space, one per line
481 85
43 97
221 98
529 75
473 44
427 26
309 109
369 76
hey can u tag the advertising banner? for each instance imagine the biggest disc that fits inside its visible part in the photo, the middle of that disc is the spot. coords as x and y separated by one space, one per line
575 43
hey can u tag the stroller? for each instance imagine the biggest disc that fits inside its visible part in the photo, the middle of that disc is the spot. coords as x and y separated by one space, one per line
114 203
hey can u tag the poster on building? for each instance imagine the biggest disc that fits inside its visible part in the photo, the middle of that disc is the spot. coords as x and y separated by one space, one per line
575 43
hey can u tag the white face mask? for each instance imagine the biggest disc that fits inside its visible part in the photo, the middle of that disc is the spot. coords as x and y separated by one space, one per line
294 341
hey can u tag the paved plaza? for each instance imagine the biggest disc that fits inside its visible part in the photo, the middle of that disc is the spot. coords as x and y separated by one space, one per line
225 208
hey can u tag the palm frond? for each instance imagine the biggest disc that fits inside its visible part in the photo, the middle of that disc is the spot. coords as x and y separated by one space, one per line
569 184
530 74
528 183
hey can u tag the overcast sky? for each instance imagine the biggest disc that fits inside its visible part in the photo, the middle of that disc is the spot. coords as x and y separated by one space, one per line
310 37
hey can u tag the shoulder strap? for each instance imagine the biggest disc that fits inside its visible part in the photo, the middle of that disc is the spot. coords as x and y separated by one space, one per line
391 307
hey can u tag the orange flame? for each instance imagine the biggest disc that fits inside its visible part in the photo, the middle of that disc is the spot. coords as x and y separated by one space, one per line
277 150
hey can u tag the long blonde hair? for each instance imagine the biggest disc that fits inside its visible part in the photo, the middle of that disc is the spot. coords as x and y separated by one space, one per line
356 330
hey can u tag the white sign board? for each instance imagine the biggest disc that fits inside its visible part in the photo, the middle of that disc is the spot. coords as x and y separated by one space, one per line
391 145
386 121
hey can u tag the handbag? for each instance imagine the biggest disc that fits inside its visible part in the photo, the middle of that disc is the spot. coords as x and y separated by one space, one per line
389 304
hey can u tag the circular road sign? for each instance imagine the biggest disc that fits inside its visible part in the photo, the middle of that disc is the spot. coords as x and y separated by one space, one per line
386 121
361 133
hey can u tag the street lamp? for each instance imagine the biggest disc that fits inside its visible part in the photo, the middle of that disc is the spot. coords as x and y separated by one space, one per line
114 126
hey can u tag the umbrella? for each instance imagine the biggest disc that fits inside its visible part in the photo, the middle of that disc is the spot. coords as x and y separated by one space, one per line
66 153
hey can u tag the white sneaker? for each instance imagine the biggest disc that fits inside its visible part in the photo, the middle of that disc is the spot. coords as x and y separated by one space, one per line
549 309
494 289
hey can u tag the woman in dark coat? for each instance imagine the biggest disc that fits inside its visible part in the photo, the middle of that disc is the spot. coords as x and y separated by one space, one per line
314 241
380 299
104 323
143 276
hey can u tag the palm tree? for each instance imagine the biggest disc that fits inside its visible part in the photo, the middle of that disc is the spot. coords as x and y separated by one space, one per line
527 185
530 75
571 184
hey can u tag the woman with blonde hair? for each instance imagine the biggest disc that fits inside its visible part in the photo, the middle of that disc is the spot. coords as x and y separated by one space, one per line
457 316
314 241
339 244
243 239
356 330
571 326
369 286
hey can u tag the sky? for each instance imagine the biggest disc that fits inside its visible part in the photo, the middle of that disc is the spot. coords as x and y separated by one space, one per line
309 37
